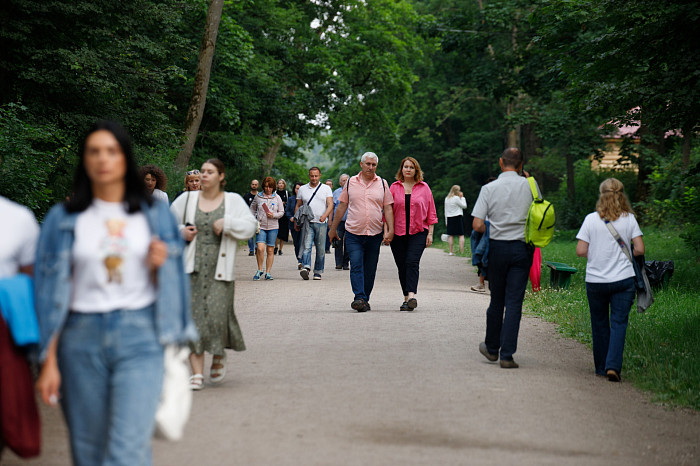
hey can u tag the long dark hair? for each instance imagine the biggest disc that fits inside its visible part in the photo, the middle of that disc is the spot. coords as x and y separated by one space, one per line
134 194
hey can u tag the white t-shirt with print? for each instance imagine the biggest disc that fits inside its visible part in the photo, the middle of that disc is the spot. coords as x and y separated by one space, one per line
18 237
109 259
318 204
607 262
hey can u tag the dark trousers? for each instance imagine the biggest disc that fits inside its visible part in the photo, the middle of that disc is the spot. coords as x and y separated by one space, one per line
364 255
508 271
610 305
296 239
342 259
407 251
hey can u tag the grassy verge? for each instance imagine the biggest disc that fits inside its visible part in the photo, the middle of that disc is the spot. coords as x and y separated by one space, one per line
663 344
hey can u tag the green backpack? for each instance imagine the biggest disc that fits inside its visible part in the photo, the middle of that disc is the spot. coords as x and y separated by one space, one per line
539 227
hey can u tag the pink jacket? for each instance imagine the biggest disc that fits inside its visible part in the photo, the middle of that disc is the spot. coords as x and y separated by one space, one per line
423 213
274 203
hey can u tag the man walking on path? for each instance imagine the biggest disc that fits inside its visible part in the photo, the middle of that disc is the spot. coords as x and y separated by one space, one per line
248 198
505 202
319 197
342 260
367 200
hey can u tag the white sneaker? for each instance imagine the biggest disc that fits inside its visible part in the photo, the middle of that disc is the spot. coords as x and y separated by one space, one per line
451 254
479 288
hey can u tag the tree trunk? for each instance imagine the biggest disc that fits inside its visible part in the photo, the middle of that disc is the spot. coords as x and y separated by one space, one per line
201 82
649 141
270 154
512 136
685 153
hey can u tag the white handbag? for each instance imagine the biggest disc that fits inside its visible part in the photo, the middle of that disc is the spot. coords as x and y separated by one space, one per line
176 396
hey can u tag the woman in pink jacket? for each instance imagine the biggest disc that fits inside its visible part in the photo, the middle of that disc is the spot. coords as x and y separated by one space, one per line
268 209
414 219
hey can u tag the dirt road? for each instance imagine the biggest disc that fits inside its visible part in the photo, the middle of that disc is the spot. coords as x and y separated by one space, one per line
323 385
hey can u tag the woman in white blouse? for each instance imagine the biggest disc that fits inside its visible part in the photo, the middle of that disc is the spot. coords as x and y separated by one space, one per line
156 182
455 203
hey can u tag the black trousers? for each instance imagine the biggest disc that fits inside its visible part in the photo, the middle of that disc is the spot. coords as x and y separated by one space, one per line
407 251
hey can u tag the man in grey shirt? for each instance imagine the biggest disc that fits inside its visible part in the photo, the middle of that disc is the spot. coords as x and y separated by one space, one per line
505 202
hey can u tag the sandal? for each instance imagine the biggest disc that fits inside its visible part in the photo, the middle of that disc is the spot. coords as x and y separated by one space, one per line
217 374
196 381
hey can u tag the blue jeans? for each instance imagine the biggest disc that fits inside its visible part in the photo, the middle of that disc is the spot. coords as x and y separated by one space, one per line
111 368
267 236
251 245
364 255
508 271
610 305
315 236
341 253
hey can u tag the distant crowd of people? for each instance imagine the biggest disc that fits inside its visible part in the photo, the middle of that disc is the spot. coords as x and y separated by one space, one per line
119 273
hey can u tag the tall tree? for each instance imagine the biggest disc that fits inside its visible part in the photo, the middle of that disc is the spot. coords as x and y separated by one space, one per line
201 82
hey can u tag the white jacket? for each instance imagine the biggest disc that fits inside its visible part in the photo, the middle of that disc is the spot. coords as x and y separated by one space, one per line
239 224
454 206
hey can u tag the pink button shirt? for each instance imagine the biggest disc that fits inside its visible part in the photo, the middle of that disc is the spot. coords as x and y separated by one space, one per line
423 213
366 206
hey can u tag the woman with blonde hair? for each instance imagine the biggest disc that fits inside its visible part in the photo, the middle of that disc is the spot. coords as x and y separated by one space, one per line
212 221
455 203
610 285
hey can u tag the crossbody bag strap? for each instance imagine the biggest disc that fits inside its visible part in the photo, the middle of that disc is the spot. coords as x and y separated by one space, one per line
620 241
314 194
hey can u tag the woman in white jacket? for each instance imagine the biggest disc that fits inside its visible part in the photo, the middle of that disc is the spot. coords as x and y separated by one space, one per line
212 221
455 203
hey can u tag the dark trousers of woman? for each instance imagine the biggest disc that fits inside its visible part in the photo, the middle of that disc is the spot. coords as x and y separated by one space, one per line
296 239
407 251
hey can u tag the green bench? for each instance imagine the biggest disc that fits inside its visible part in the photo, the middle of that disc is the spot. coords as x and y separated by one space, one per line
560 274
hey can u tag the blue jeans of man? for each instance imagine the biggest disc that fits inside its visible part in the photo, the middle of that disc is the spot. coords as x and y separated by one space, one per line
508 271
610 305
315 236
342 259
363 251
111 366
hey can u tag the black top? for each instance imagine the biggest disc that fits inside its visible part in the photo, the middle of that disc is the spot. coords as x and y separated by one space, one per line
248 198
283 195
408 212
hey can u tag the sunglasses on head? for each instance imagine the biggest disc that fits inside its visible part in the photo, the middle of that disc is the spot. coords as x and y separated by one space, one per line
193 172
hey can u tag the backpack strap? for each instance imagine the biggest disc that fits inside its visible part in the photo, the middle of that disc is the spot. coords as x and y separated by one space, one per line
533 187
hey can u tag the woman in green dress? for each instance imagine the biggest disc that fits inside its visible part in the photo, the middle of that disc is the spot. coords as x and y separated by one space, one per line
212 221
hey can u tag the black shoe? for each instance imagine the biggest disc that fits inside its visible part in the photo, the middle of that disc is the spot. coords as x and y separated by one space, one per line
338 267
358 305
304 273
485 351
274 252
280 253
251 253
404 307
613 375
346 267
509 364
367 308
412 304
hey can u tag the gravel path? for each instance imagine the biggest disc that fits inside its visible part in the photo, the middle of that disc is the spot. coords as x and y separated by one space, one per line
323 385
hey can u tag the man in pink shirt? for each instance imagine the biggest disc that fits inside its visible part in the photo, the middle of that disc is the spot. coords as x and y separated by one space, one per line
368 201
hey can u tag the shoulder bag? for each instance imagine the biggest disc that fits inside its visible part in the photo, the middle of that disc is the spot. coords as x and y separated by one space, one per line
645 297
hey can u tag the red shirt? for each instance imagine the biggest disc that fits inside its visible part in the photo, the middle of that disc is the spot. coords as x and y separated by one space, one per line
422 209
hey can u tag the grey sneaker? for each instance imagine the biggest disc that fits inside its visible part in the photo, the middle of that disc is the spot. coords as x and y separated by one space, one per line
304 273
485 351
509 364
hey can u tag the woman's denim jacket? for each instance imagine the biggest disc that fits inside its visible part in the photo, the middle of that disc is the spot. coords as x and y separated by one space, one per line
52 277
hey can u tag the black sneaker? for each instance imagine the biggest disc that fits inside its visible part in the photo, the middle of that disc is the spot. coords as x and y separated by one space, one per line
274 252
251 253
358 305
404 307
338 267
304 273
346 267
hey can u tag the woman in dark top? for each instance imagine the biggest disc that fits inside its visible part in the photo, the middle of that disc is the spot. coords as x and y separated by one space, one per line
289 213
283 233
414 219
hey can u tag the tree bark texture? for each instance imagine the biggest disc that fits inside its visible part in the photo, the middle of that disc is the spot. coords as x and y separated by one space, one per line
270 154
201 82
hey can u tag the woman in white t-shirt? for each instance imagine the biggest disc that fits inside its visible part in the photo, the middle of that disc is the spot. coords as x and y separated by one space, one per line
156 182
455 203
110 292
609 274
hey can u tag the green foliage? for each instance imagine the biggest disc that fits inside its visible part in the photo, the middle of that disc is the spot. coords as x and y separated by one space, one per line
661 344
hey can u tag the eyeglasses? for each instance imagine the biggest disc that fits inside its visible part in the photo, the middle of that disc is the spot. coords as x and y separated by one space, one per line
193 172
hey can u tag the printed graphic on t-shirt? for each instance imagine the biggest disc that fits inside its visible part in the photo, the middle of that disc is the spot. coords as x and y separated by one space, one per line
113 248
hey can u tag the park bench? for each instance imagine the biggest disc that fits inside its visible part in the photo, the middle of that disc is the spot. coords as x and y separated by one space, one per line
560 274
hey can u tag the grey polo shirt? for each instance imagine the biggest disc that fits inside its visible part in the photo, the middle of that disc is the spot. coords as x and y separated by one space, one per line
505 202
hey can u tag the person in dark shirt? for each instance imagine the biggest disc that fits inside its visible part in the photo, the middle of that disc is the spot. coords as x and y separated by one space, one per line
248 198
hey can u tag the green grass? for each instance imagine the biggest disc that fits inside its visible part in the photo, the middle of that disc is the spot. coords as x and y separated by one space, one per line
663 344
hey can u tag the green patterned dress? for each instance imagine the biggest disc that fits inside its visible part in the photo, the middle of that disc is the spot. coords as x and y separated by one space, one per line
212 300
